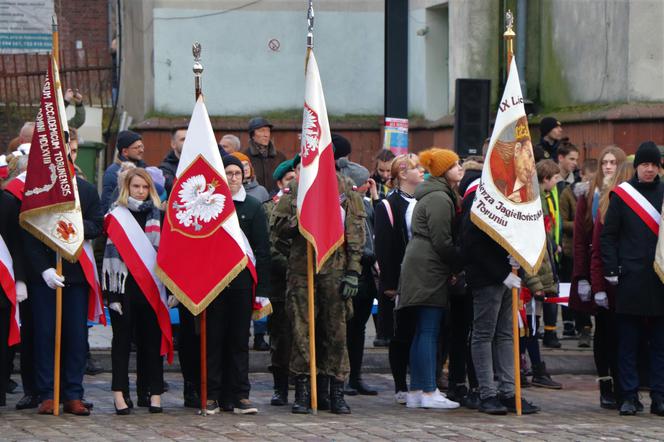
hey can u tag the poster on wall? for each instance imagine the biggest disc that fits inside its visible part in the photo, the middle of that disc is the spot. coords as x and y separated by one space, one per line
25 26
396 135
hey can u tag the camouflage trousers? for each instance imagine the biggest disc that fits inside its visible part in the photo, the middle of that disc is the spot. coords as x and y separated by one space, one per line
281 336
330 313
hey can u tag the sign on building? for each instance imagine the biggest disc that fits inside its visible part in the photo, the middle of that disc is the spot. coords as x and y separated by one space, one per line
25 26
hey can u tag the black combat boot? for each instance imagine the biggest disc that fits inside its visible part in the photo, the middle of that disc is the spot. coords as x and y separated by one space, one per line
302 402
323 391
542 378
337 403
280 396
607 398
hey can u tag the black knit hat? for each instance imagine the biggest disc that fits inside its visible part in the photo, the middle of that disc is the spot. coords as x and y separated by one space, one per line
126 138
341 146
230 160
547 125
648 152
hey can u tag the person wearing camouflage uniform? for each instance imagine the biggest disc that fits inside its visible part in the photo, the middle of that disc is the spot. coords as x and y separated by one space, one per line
335 284
279 327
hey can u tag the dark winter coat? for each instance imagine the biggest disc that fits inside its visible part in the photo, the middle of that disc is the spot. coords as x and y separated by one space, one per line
264 166
169 166
431 256
582 241
597 281
628 251
390 240
42 257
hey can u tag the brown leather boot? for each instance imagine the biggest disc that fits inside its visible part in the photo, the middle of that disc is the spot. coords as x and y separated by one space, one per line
46 407
76 407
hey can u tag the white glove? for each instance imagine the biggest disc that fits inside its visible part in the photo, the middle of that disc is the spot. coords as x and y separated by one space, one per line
116 307
513 262
172 301
52 279
584 290
21 291
602 300
613 280
512 281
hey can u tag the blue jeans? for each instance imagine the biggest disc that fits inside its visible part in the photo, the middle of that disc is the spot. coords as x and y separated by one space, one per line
631 330
74 339
423 349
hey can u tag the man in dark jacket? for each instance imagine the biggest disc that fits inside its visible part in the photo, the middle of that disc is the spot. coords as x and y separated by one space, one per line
169 166
130 148
552 133
263 154
42 280
628 243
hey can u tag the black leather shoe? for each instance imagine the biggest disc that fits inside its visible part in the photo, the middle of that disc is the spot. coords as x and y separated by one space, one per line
27 402
657 406
526 407
628 407
492 405
122 411
93 367
551 340
471 400
362 388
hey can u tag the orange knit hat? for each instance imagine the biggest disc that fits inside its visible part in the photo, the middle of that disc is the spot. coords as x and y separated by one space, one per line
242 157
438 161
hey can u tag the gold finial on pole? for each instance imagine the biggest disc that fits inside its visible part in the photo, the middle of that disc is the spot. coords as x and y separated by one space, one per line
509 35
197 68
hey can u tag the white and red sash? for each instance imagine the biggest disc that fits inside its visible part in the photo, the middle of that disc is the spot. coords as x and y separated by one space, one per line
472 187
140 257
640 205
86 260
8 284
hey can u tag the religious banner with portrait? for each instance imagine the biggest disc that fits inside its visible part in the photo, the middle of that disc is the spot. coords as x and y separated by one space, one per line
507 202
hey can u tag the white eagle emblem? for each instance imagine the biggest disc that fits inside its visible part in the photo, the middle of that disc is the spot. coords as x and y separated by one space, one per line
198 202
310 134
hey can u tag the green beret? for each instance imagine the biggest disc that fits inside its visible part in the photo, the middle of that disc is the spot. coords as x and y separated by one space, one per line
282 169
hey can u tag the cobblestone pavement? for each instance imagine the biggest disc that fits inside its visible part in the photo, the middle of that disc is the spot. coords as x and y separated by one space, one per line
569 414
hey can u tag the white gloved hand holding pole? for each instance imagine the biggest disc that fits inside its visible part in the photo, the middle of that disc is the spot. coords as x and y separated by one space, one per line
602 300
52 279
512 281
584 290
21 291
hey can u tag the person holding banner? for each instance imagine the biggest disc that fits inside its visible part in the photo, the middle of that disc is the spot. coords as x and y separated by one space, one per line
633 218
134 220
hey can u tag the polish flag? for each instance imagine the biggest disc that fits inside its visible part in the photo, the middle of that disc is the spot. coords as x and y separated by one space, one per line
318 209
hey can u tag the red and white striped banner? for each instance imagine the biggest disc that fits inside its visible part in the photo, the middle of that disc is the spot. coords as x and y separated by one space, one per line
9 286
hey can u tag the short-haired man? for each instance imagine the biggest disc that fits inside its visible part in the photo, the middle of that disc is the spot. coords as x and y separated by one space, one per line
130 148
628 244
169 166
552 133
230 143
263 154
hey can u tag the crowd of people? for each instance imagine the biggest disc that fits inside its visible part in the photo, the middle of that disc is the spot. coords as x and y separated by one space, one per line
442 285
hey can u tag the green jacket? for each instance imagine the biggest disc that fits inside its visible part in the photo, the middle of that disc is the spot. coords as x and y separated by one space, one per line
430 254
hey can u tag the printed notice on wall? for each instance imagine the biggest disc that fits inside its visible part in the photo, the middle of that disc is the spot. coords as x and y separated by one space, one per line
25 26
396 135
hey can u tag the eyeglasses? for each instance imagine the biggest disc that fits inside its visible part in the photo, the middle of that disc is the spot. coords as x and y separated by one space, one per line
234 174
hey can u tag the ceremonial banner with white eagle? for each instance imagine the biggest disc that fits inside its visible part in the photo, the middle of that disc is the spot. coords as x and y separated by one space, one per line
507 203
51 210
202 247
318 209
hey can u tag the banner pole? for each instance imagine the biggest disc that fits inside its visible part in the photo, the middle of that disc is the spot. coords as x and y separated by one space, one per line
509 41
312 328
58 340
203 326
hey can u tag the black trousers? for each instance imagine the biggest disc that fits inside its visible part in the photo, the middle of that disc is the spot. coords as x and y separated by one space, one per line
405 322
189 348
228 320
139 320
460 325
385 326
357 325
5 316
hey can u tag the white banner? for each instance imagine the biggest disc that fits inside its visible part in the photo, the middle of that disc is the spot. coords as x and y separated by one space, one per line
507 203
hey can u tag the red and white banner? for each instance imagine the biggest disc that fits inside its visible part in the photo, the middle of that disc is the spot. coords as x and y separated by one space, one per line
17 186
8 283
51 210
507 203
140 257
201 248
318 209
640 205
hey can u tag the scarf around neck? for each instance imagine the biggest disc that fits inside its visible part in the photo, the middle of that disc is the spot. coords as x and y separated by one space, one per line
114 270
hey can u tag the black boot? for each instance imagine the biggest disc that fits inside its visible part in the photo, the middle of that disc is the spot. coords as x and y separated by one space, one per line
280 396
551 339
337 403
302 402
190 395
541 378
323 391
607 399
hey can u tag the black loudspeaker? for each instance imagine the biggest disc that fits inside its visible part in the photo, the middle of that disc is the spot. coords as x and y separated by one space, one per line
471 118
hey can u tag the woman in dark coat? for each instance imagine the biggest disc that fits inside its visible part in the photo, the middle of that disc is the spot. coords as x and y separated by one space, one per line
430 260
392 232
